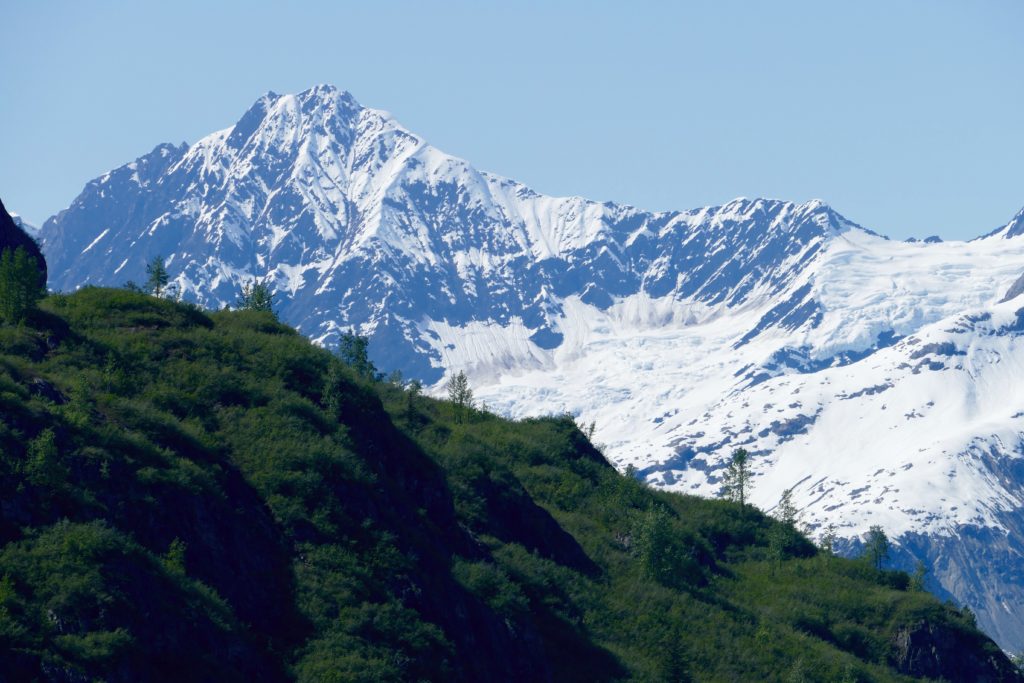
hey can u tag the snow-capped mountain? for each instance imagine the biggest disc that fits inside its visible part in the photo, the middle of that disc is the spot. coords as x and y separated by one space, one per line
895 398
877 379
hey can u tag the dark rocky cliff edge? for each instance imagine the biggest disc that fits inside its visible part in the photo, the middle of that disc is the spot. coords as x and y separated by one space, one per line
12 237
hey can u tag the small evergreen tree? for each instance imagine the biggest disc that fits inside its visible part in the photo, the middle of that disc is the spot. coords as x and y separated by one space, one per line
782 535
460 394
786 512
876 546
20 284
828 541
778 540
256 296
672 665
459 391
157 276
413 392
736 481
353 352
334 390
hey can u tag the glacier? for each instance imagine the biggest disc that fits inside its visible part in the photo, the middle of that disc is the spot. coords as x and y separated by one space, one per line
878 380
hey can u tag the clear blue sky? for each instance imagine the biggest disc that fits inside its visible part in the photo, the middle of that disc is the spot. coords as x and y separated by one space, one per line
906 116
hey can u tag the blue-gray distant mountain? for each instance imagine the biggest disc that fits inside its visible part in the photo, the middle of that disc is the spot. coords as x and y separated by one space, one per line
881 381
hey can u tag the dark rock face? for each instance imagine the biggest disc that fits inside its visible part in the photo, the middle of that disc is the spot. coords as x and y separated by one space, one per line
937 651
12 237
993 594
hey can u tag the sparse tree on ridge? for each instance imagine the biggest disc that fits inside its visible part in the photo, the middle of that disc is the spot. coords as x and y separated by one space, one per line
876 546
412 394
917 579
781 535
786 512
460 394
156 271
828 541
353 350
256 296
736 481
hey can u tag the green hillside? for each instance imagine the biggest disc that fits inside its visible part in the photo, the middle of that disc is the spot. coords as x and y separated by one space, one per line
187 495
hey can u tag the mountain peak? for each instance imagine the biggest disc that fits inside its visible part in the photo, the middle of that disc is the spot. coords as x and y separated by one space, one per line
311 188
1016 225
1014 228
326 98
275 119
748 204
322 92
788 216
326 90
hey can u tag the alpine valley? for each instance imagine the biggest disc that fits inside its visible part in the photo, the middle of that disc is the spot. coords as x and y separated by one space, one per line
881 381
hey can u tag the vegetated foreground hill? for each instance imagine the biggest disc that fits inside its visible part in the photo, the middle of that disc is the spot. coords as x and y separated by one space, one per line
208 496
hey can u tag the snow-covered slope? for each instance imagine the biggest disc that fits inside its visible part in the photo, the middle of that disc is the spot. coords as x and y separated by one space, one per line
877 379
896 398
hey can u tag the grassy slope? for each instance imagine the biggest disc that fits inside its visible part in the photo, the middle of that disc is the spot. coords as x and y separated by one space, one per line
207 496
